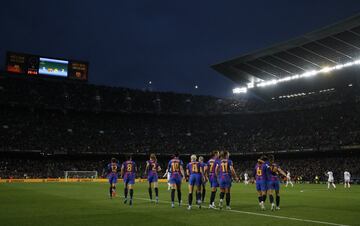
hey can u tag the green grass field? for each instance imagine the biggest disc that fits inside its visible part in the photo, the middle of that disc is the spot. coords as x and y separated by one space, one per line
88 204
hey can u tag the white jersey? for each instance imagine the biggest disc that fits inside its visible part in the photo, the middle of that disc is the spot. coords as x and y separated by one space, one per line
347 176
246 176
330 176
168 176
288 176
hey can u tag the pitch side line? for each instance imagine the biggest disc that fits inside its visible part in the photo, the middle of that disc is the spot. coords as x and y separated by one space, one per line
260 214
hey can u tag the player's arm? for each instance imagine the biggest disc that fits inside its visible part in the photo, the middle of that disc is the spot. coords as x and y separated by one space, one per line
217 170
166 173
159 168
206 173
282 172
122 171
146 168
232 169
202 174
182 171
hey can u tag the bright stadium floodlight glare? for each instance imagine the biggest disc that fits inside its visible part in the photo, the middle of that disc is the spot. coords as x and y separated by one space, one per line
239 90
304 75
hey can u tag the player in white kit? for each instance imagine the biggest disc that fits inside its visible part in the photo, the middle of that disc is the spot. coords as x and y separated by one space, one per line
168 175
347 179
288 179
246 178
330 179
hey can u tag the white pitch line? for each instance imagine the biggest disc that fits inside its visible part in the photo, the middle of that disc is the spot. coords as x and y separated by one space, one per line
263 215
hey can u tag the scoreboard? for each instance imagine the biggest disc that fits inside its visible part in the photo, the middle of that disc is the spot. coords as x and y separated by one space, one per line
39 66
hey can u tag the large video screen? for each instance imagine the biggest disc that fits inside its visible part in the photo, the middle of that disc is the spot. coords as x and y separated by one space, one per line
39 66
53 67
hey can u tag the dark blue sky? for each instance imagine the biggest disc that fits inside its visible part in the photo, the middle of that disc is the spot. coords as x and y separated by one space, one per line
171 43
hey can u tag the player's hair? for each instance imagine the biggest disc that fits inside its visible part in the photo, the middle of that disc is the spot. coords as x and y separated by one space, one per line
214 152
271 158
193 157
129 157
201 159
224 154
153 156
264 158
113 160
176 154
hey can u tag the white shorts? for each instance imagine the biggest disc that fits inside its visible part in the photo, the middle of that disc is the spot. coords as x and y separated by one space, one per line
168 177
347 180
331 180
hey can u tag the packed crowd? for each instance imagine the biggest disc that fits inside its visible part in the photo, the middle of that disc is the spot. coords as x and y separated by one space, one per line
299 167
55 131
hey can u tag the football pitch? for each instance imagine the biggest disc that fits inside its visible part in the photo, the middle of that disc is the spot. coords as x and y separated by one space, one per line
88 204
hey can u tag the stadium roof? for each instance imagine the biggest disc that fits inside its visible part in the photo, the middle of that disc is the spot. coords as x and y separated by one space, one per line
330 46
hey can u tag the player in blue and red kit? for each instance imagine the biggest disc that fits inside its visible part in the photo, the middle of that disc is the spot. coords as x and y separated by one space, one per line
195 173
113 169
273 183
225 173
261 180
204 178
128 171
176 170
151 170
211 175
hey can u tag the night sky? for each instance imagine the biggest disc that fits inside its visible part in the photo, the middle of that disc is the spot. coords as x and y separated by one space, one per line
171 43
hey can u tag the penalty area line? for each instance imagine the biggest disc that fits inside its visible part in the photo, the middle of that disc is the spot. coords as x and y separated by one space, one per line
260 214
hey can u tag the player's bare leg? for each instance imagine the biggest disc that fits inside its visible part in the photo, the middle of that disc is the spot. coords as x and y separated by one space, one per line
333 184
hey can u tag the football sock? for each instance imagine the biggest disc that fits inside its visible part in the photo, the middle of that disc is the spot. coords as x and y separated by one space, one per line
150 193
264 198
179 195
172 195
110 191
212 197
260 199
190 199
125 192
131 193
271 197
277 200
228 199
157 192
222 194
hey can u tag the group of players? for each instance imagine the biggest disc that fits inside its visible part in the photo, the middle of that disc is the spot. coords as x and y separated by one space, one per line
218 171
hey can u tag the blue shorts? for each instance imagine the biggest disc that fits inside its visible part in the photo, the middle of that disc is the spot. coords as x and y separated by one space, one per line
261 186
273 185
195 179
213 181
152 178
225 181
129 179
175 179
112 178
